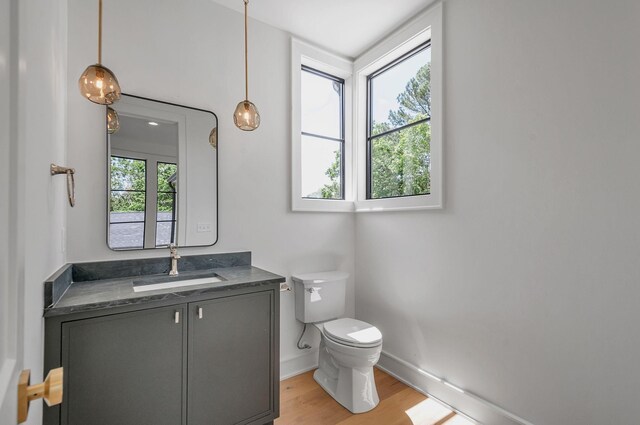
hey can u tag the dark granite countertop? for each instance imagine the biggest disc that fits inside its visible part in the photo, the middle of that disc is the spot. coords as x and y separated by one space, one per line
98 294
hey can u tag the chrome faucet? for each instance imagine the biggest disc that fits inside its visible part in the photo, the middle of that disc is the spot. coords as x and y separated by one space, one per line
173 249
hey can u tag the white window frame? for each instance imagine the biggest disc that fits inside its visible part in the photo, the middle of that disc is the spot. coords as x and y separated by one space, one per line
305 54
426 26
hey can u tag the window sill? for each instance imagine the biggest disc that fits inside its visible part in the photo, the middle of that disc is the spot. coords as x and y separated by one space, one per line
409 203
321 205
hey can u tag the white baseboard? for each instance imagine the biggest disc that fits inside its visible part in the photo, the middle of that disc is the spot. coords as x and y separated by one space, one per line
466 403
300 364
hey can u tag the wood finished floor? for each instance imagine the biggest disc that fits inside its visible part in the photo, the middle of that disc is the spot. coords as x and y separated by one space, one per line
304 402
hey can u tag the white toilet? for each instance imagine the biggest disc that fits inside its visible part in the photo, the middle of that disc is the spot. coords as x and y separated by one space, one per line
349 348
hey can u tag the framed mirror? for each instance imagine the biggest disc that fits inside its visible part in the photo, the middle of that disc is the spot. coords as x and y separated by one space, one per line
162 185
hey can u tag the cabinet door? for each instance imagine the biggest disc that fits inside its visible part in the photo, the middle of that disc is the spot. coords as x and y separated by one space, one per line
125 369
231 349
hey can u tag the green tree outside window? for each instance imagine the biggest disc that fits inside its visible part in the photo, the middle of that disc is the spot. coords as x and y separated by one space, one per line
400 160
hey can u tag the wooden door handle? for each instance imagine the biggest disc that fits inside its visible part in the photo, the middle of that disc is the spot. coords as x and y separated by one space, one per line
50 390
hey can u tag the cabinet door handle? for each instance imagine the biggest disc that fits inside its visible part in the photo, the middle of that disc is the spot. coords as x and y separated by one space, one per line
199 312
177 317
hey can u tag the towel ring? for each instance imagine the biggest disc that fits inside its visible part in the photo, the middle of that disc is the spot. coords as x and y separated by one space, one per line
71 183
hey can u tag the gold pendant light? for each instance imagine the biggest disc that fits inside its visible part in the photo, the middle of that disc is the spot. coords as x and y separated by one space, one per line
97 83
246 116
113 121
213 138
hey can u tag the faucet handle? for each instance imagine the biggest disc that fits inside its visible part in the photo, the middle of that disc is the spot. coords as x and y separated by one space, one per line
173 248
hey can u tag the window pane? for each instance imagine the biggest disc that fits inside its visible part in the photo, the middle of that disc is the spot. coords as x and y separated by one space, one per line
321 168
167 177
120 217
126 235
164 232
401 94
400 163
128 174
127 202
166 206
321 105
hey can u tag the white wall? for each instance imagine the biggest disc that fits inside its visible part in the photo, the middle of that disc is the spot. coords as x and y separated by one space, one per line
40 199
191 53
10 330
524 288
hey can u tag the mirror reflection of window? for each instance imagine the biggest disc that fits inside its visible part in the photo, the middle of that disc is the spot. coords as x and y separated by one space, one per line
166 206
144 171
127 203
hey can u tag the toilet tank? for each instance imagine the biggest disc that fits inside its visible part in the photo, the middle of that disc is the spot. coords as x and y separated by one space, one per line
320 296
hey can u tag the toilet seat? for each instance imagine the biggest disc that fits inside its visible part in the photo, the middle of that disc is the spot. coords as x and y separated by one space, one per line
352 333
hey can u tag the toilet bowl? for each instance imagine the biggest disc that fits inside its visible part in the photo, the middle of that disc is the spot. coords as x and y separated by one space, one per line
349 348
345 370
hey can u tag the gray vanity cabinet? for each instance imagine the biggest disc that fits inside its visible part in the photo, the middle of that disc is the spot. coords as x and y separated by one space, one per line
124 369
231 345
207 361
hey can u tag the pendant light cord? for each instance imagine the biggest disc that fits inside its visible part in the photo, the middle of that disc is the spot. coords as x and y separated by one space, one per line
246 54
99 32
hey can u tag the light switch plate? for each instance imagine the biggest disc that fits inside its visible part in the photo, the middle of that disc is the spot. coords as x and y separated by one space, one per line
204 227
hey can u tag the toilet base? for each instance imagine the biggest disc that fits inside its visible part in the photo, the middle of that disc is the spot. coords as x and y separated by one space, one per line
352 387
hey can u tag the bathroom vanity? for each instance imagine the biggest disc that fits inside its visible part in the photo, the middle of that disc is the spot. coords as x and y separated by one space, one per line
200 354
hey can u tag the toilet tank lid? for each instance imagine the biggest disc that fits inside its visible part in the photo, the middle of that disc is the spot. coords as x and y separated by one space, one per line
320 277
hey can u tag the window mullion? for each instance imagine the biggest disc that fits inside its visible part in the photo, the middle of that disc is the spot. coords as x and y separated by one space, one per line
395 130
304 133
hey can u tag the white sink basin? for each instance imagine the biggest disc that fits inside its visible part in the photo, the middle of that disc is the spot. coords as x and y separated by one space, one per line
176 284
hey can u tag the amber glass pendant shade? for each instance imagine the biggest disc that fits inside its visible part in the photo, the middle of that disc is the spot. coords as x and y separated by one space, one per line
213 138
99 85
246 116
113 122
